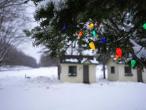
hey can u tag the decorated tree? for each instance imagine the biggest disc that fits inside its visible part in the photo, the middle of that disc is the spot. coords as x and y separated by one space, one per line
113 29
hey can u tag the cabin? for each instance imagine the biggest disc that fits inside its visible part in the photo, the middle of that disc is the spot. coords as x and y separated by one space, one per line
78 69
122 72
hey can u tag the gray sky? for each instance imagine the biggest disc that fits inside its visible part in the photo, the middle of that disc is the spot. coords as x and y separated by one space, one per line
27 46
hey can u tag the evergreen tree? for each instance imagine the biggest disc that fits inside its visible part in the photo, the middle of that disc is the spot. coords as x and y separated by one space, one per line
118 22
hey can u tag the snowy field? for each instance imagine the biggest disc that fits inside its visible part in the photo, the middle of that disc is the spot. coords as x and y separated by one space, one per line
42 91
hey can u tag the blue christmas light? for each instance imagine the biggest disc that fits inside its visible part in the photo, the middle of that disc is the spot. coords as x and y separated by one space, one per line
103 40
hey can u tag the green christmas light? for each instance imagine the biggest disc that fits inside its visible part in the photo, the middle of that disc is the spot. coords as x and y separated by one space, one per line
94 33
144 26
133 63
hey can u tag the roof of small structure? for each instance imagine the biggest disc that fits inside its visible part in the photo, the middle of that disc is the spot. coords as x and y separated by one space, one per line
79 59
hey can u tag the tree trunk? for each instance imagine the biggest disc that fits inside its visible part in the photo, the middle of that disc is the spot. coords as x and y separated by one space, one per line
59 68
139 74
104 76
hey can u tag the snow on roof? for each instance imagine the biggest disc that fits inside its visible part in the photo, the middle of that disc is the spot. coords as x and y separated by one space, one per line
94 61
71 60
84 60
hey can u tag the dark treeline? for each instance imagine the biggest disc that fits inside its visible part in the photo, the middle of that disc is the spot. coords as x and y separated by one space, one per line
14 56
46 61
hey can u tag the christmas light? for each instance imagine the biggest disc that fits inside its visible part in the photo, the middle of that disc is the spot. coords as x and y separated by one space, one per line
103 40
94 34
144 26
118 53
64 28
92 46
90 26
133 63
80 34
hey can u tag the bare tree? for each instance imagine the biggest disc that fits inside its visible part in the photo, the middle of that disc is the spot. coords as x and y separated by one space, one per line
12 21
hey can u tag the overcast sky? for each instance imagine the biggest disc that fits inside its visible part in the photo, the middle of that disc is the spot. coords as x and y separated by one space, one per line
27 46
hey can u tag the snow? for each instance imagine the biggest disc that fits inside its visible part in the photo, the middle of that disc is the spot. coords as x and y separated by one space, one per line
43 4
74 60
138 49
89 52
71 60
13 68
42 91
33 73
94 61
99 72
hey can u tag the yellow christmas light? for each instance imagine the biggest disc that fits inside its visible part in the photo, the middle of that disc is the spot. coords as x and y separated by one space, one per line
92 45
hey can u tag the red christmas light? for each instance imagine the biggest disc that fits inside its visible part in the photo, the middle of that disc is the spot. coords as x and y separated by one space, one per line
80 34
119 52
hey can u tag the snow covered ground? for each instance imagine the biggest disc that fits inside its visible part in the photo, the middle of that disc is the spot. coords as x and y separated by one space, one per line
42 91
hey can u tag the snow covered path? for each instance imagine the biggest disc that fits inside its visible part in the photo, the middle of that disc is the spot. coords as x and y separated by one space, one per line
42 91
